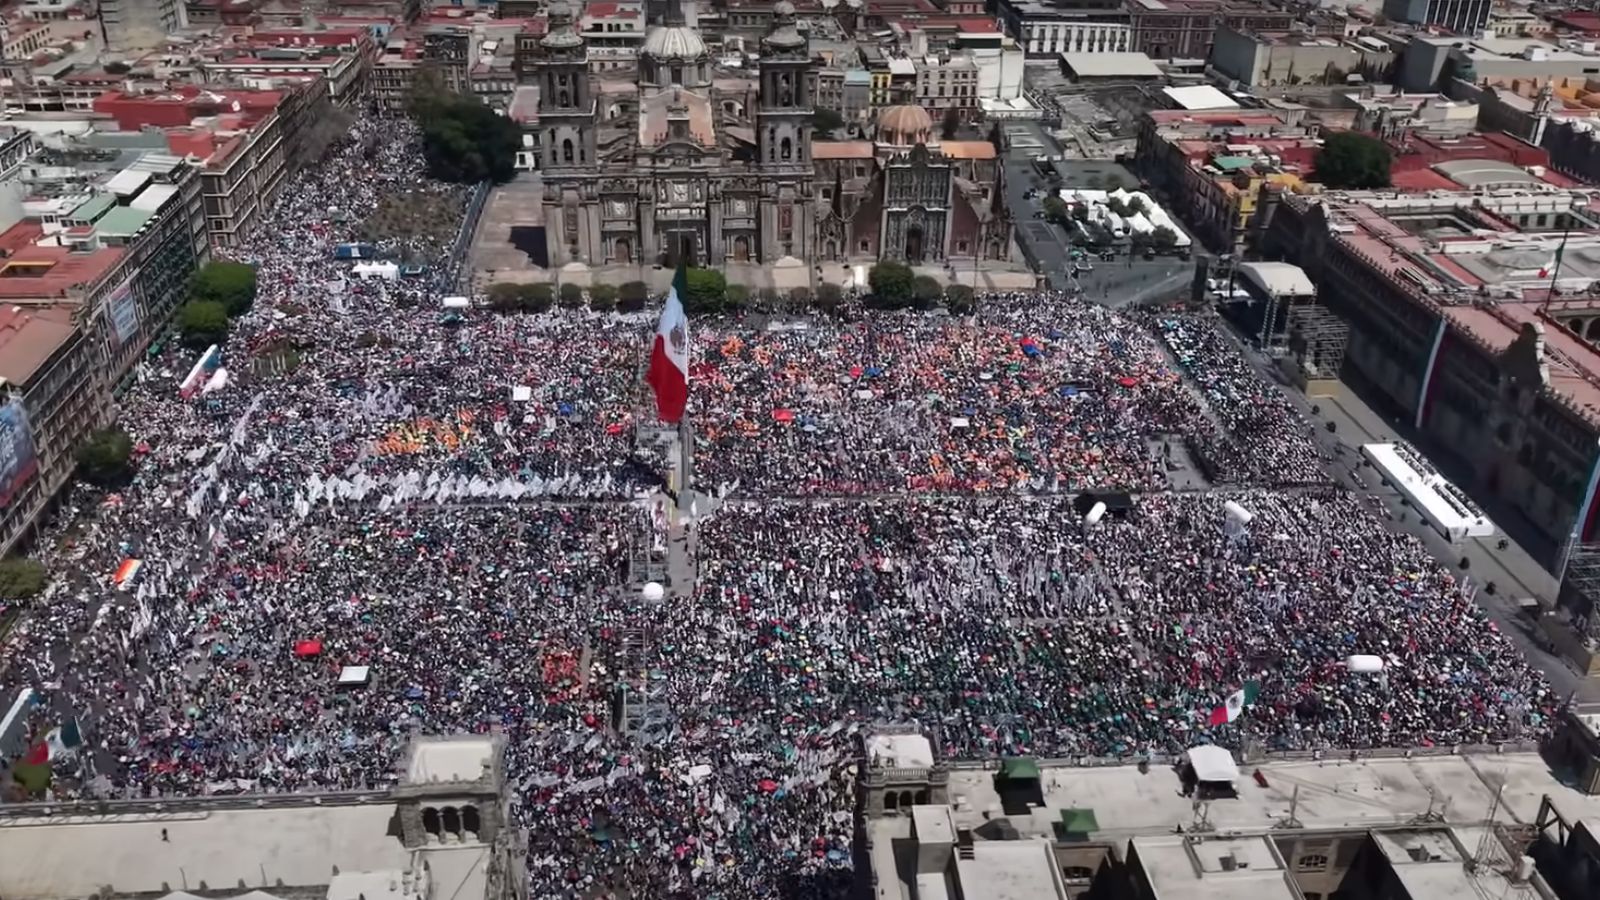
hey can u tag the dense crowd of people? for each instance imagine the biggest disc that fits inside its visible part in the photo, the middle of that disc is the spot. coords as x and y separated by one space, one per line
896 541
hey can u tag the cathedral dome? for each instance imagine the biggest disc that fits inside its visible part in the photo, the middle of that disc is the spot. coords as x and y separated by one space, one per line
674 42
904 125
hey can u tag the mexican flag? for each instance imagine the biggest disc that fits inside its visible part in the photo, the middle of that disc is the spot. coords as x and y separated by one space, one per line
1235 704
1555 260
669 357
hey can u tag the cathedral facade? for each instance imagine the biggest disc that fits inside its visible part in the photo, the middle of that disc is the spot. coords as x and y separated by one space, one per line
688 163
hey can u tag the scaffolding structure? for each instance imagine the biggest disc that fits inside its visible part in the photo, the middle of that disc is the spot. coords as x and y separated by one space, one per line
1318 338
1582 581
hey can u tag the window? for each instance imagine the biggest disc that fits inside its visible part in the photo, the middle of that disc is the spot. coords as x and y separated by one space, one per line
566 150
866 246
1312 861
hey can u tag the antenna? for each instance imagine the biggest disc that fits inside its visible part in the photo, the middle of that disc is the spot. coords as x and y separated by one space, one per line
1292 820
1433 814
1202 821
1485 853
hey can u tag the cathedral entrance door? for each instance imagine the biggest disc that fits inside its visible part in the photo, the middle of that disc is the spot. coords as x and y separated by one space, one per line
684 245
741 249
624 252
913 245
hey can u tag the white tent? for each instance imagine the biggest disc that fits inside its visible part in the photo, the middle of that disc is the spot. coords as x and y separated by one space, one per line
388 271
1212 763
355 676
456 303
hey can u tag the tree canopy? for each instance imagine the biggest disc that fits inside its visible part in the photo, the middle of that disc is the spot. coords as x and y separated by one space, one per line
463 140
707 290
202 323
229 283
106 458
21 579
826 120
1349 159
891 284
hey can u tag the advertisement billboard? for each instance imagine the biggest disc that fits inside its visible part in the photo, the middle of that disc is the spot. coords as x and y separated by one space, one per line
18 461
122 310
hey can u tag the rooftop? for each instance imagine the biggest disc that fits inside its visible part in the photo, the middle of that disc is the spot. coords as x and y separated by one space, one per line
1199 96
1190 867
75 857
1111 65
29 336
456 759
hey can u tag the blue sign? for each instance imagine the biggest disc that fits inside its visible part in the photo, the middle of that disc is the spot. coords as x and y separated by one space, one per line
18 460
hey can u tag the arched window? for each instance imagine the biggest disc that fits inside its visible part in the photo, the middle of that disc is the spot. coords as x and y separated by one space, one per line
430 821
566 150
677 74
786 149
452 820
565 99
891 800
470 823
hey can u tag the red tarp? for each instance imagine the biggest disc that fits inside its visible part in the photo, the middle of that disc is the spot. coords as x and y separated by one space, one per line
305 649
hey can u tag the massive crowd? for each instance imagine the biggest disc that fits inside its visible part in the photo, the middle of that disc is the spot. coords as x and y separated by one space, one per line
896 541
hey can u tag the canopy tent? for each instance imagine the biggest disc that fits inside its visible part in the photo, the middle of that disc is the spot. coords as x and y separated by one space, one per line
388 271
1212 763
1078 820
354 676
1019 768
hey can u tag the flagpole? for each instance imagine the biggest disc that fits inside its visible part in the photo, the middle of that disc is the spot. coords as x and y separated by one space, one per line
1555 271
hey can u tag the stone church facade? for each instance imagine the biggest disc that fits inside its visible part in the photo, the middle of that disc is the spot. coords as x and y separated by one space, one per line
689 163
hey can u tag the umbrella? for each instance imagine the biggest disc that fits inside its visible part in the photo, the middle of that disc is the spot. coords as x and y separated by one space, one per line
768 785
307 649
1127 381
783 415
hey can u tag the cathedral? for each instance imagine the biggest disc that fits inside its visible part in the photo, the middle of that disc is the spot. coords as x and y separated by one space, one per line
686 162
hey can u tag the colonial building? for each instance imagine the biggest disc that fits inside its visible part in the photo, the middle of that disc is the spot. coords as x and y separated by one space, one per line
715 168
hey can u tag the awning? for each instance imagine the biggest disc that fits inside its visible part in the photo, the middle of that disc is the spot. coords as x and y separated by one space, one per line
305 649
1079 821
1019 768
1212 763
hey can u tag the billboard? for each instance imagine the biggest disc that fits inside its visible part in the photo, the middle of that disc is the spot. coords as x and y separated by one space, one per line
122 311
18 461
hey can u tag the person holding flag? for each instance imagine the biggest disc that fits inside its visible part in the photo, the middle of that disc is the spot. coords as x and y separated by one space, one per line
668 374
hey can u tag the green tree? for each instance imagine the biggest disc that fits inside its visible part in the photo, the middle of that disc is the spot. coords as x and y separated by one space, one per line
1349 159
1136 205
960 300
21 579
1117 206
736 297
1080 212
632 296
538 297
463 141
800 299
826 121
202 323
105 458
891 284
926 291
505 297
707 291
1055 209
950 124
1138 243
571 296
1163 238
829 297
229 283
603 298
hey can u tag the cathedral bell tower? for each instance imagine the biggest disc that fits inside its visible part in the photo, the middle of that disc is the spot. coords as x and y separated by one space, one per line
566 100
783 138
